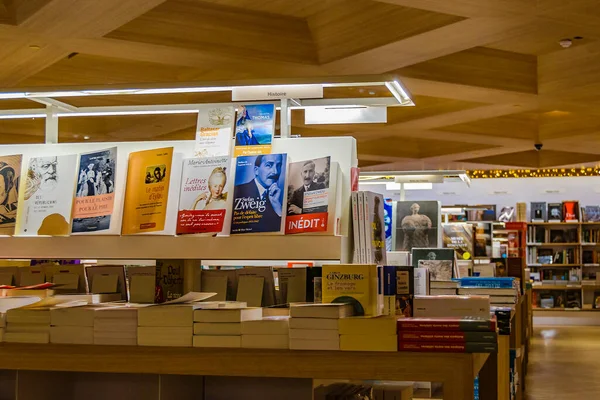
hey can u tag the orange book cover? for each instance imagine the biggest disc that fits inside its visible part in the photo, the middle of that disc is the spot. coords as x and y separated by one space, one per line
147 191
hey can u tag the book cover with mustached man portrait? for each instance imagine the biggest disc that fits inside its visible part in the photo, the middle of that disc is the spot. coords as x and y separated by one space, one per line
46 201
147 192
259 194
10 173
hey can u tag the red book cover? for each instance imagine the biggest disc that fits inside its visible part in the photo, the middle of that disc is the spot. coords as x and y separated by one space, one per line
447 324
468 347
447 337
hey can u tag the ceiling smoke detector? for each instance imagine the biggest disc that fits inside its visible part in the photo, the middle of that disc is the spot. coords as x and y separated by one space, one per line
565 43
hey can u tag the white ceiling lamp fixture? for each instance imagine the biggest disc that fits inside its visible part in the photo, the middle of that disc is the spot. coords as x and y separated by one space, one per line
413 177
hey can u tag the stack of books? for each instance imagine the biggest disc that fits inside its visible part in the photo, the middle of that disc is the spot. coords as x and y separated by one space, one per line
502 291
72 325
316 326
116 326
452 307
449 288
368 334
166 325
461 335
266 333
7 303
27 325
221 327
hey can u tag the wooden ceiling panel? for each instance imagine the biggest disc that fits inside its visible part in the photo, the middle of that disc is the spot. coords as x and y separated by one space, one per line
537 159
15 104
426 106
518 126
226 30
480 66
30 130
299 9
394 146
358 25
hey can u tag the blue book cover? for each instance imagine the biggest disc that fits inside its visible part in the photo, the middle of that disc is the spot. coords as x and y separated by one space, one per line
387 218
389 280
254 129
501 282
258 195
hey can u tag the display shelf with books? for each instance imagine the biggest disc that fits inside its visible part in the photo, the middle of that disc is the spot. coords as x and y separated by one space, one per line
456 371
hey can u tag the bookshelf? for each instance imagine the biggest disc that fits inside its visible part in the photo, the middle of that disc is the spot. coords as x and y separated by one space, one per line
147 247
456 371
584 252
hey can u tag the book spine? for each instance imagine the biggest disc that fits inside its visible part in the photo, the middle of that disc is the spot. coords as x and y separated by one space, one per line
361 225
356 228
447 337
458 325
472 347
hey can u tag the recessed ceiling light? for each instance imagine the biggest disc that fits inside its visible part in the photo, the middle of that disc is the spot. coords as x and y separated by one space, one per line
86 138
76 136
34 47
577 37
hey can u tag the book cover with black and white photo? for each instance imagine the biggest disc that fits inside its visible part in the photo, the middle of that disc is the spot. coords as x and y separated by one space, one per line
416 224
313 198
538 212
459 236
431 254
555 212
47 198
439 270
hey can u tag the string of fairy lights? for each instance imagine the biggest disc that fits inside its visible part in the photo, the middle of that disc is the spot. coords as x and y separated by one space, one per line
533 173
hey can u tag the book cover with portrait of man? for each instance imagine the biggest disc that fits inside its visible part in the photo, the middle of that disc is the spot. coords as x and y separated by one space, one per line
254 129
10 172
259 194
47 196
312 197
203 195
147 191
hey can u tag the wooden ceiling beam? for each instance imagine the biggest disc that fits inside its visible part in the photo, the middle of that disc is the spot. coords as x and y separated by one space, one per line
470 8
436 43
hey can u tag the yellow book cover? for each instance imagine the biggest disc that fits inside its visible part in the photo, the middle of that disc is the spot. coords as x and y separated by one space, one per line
147 191
382 325
359 285
369 342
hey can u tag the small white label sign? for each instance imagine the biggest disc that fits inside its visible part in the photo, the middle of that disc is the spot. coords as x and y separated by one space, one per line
344 115
273 92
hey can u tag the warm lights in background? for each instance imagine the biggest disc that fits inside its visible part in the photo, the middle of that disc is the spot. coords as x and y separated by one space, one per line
533 173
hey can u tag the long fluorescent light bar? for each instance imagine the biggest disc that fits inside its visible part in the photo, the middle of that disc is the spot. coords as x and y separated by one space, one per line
139 112
22 116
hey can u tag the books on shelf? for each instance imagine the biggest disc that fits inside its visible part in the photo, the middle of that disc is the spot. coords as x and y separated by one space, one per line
369 228
203 197
555 212
259 195
47 198
94 208
116 325
254 129
315 326
398 290
571 211
416 224
359 285
266 333
152 190
314 200
451 306
467 347
485 324
322 310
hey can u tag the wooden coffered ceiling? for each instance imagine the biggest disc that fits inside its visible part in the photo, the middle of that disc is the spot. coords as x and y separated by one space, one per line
488 77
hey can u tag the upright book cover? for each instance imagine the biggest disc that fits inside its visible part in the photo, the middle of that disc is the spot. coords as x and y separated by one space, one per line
214 131
169 280
375 228
538 212
358 285
203 195
570 211
399 282
459 236
431 254
254 129
439 270
147 191
259 194
95 194
416 224
10 174
311 196
592 214
555 212
388 214
47 198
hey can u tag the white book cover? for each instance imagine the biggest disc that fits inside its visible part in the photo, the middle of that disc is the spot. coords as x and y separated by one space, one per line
214 131
203 198
46 196
356 229
313 197
93 207
364 255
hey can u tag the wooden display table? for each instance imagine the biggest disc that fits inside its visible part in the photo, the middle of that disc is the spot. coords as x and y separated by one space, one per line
456 371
